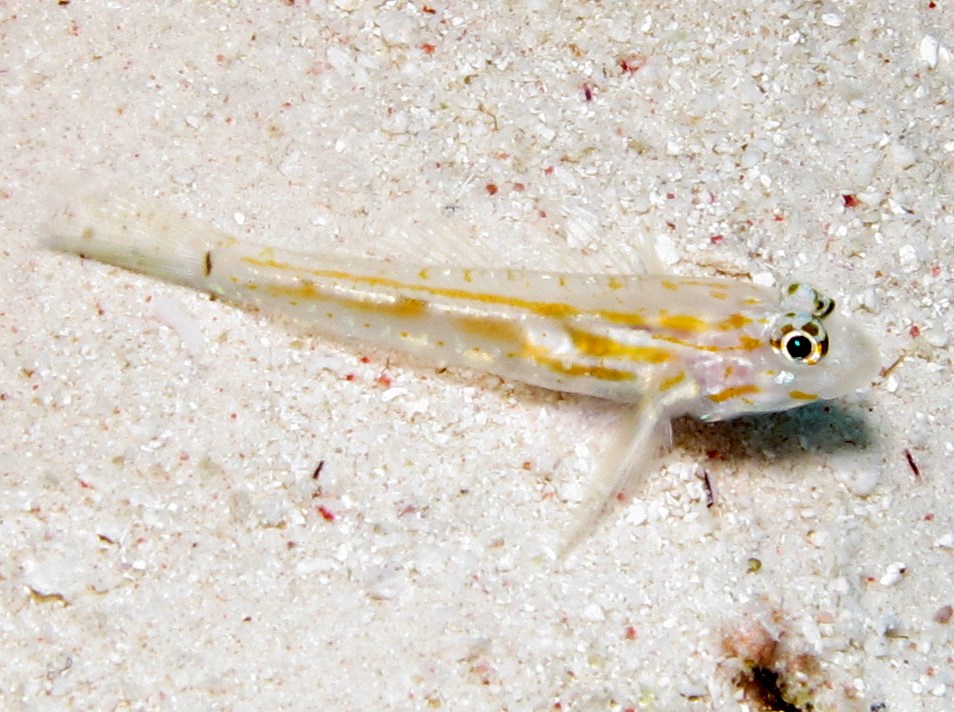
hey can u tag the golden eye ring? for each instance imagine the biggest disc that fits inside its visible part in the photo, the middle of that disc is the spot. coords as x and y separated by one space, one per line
800 338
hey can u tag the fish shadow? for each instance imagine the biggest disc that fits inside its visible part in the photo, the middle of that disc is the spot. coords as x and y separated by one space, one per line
773 438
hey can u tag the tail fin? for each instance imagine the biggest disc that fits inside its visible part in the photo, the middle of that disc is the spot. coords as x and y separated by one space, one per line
135 236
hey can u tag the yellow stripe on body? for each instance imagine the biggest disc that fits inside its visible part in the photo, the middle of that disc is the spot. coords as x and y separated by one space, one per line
681 322
401 307
496 330
491 329
689 323
600 347
746 343
557 310
547 309
734 321
734 392
541 357
672 381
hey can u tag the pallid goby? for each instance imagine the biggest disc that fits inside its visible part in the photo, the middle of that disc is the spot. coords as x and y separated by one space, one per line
668 345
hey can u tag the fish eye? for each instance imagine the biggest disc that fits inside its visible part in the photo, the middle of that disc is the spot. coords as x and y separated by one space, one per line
801 338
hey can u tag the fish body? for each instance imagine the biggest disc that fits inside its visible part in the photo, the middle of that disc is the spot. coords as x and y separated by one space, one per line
609 336
710 348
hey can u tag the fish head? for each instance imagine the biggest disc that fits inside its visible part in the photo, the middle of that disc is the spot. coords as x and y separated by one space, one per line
801 352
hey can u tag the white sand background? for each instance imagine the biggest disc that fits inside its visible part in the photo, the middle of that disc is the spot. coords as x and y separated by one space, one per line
164 543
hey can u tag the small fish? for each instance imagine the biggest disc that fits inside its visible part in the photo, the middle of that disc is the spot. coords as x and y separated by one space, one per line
668 345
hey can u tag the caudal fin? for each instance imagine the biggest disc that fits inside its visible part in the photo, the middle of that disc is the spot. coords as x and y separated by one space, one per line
136 236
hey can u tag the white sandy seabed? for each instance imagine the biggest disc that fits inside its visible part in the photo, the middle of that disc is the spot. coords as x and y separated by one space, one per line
165 541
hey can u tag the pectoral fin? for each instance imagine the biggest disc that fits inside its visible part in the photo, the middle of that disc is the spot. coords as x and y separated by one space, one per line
632 452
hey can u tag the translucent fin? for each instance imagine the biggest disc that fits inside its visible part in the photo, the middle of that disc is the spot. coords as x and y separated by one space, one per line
135 236
613 250
633 450
146 237
466 233
415 230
